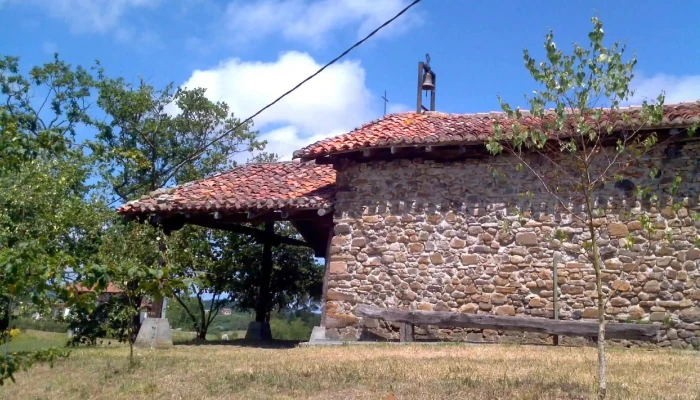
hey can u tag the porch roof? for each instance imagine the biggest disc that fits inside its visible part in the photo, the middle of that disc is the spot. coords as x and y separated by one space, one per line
251 188
301 193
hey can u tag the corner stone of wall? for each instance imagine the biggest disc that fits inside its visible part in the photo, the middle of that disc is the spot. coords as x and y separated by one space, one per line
439 236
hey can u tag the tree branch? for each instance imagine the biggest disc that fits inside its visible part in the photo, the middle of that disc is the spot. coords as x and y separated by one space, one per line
546 187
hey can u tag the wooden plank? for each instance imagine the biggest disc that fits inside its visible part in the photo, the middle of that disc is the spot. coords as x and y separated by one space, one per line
264 236
407 332
643 332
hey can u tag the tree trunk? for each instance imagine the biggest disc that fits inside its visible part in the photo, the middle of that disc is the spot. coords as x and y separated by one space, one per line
136 321
192 317
602 365
597 266
134 302
202 328
132 333
4 313
6 330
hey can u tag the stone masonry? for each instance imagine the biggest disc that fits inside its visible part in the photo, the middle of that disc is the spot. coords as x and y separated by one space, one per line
461 236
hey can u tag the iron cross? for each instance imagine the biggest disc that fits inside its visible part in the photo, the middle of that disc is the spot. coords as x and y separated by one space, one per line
385 101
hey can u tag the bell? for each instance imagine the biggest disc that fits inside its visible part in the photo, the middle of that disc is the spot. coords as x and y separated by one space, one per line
428 82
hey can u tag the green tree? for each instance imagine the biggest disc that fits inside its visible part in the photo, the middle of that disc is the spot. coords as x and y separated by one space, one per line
132 260
296 280
48 221
578 143
42 109
198 254
152 138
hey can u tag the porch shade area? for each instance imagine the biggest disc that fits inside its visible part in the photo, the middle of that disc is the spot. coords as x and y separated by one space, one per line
301 193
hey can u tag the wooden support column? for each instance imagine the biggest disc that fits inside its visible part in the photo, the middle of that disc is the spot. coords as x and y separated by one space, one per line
407 332
158 302
265 275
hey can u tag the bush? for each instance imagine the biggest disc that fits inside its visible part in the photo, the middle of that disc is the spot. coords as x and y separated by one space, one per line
46 325
89 325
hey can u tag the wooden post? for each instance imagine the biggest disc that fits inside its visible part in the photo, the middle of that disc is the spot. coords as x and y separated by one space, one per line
265 275
157 306
158 301
555 260
407 332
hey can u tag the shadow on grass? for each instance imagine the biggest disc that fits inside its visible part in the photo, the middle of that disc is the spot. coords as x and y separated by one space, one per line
260 344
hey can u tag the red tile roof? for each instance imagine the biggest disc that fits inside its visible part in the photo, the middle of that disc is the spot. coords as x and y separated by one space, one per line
253 186
110 289
435 128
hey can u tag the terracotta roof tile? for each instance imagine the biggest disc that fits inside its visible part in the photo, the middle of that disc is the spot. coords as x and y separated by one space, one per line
407 129
253 186
110 289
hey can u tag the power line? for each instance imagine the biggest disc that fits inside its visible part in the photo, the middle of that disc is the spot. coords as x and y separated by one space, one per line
333 61
202 149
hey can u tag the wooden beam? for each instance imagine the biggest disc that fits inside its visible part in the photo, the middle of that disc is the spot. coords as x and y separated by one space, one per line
644 332
253 214
170 224
264 236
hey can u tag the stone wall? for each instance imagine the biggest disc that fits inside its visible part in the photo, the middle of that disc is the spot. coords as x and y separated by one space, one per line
477 236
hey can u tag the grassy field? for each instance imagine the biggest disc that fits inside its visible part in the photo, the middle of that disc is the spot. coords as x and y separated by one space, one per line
360 372
30 340
35 340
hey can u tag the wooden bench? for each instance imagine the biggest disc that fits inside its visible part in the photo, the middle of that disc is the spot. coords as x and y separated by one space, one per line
410 318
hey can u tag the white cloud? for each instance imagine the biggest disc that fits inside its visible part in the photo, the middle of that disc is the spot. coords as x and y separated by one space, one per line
84 16
310 21
333 102
677 88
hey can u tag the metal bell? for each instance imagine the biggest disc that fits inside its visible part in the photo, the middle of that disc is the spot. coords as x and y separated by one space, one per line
428 82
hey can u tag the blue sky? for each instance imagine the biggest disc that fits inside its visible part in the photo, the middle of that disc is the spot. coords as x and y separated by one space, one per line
246 52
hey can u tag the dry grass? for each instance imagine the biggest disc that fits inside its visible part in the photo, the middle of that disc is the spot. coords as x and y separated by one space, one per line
361 372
